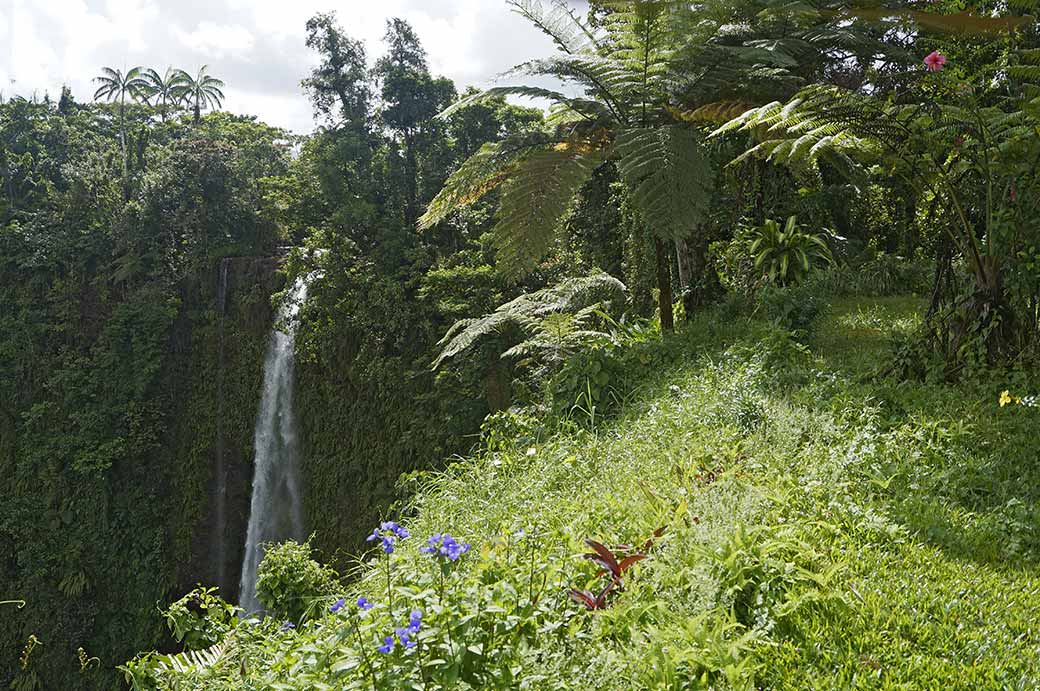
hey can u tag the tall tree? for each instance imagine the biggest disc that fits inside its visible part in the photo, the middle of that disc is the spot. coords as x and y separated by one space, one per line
411 100
116 86
162 88
199 92
342 75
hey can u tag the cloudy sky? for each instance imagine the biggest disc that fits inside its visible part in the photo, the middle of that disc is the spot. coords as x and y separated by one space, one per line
255 46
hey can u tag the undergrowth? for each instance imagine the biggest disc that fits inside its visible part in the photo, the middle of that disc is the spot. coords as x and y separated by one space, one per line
762 513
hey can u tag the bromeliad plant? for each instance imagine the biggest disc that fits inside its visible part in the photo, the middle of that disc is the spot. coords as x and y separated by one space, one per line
786 254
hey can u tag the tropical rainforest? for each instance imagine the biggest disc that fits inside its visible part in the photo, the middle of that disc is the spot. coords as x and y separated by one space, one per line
700 353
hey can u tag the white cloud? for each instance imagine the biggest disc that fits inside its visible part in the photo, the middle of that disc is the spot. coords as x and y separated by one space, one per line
217 40
255 46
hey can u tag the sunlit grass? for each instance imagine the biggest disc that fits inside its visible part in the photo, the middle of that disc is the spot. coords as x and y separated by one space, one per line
823 529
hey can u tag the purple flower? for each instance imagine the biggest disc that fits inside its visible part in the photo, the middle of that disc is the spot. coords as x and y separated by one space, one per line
364 604
388 533
405 636
337 606
288 625
415 622
388 645
399 531
445 545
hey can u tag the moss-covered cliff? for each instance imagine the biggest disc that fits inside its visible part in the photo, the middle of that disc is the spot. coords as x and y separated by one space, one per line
109 456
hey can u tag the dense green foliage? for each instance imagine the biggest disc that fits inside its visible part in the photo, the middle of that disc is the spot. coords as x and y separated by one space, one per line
109 311
820 529
815 482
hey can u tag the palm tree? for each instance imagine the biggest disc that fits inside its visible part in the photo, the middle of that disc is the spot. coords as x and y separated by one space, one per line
116 86
162 88
199 92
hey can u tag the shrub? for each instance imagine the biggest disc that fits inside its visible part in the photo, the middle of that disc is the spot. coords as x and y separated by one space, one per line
795 309
200 619
509 429
290 585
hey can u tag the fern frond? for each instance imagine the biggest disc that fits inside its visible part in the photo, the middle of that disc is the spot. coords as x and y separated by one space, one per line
192 660
580 295
534 199
482 172
667 175
586 108
600 77
716 112
966 23
558 21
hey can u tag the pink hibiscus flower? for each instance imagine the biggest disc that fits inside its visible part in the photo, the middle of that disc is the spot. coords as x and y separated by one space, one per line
935 61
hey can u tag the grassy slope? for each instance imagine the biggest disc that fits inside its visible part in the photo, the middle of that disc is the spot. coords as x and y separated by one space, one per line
824 531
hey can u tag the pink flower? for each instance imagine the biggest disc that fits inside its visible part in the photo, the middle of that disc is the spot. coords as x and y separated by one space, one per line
935 61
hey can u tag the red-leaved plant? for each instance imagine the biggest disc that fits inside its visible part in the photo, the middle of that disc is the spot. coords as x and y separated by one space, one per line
613 564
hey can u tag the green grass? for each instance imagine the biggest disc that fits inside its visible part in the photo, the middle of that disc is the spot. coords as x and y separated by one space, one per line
823 531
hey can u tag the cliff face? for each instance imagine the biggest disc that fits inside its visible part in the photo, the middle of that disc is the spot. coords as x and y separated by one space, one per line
125 456
222 360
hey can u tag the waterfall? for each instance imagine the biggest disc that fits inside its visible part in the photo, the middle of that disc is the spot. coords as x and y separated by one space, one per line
275 512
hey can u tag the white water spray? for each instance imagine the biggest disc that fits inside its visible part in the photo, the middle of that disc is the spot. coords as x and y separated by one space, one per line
275 512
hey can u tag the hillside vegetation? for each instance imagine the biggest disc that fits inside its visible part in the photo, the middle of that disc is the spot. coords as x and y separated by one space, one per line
804 525
615 393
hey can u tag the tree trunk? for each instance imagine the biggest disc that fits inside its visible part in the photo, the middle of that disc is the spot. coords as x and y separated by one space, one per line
760 192
411 181
122 146
497 387
664 287
687 276
682 255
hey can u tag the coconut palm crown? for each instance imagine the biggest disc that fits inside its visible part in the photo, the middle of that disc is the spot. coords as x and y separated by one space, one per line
199 92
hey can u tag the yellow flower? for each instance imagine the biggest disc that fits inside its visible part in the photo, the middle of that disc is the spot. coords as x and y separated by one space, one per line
1005 398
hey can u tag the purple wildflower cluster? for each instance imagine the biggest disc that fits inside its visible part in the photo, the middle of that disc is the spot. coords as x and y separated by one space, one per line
444 545
362 602
388 533
404 634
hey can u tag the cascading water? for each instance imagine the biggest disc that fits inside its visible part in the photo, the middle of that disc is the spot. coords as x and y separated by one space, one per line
275 512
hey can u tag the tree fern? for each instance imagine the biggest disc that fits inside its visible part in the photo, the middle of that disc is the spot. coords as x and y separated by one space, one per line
668 177
638 76
527 313
535 198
